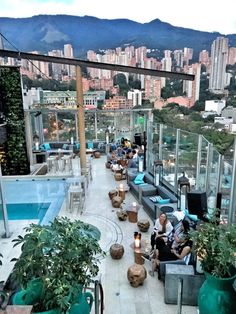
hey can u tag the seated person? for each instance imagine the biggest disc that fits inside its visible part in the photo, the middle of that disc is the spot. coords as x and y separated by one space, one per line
112 158
162 229
180 229
164 252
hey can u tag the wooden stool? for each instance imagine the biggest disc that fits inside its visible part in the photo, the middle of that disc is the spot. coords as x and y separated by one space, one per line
122 215
117 251
97 154
136 275
143 225
116 201
112 193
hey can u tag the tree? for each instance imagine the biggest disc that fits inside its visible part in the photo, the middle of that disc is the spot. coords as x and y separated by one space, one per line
120 80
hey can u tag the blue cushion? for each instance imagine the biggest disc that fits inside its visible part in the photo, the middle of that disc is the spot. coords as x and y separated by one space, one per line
90 145
155 199
77 145
138 182
65 146
164 201
140 176
45 146
190 216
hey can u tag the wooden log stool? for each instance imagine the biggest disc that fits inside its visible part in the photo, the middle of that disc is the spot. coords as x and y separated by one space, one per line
136 275
122 215
112 193
143 225
108 165
116 201
117 251
97 154
118 176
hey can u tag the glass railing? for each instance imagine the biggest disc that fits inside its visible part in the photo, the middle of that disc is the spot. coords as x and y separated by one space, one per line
191 154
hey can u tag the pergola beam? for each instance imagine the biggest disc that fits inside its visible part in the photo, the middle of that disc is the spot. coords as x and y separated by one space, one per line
96 65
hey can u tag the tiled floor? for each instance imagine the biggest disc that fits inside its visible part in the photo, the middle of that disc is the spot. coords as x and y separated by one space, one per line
120 297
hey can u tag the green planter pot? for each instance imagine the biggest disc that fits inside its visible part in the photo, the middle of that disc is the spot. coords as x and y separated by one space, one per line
83 305
30 295
217 295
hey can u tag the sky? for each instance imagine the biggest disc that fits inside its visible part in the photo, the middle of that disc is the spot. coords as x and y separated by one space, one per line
203 15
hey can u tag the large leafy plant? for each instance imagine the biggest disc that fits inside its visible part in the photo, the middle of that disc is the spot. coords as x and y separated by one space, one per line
64 255
215 245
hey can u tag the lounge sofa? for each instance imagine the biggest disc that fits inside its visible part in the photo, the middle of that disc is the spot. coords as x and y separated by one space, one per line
52 147
168 202
143 192
134 188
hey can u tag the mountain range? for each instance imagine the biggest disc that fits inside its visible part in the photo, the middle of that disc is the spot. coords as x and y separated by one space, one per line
47 32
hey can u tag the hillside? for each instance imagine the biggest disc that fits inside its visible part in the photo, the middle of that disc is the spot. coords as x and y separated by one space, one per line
47 32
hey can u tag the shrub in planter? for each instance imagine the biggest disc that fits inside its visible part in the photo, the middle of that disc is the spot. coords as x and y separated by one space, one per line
64 256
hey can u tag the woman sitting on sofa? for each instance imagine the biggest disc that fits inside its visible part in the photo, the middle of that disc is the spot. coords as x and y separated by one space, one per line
162 230
164 252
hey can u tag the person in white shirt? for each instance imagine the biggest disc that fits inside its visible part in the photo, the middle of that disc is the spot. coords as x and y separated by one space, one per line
162 229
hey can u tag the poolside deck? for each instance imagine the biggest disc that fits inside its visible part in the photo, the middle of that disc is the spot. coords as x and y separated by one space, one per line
120 297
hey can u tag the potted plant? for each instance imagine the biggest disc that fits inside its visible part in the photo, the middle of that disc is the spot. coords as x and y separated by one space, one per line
61 258
215 246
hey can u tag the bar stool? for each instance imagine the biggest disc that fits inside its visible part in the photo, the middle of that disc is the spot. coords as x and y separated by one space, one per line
76 198
79 181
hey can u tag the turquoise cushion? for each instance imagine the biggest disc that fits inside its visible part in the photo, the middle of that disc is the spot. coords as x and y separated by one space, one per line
138 182
140 176
45 146
90 145
77 145
164 201
190 216
65 146
139 179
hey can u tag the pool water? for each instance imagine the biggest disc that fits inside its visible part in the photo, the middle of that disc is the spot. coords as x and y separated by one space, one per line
33 199
26 211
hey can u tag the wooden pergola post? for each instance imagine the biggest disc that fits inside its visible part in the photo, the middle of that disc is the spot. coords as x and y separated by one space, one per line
80 112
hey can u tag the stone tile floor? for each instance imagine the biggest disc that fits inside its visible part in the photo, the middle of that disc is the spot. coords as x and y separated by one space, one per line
119 296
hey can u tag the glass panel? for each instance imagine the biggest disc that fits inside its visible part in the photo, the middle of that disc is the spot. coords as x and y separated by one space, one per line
226 180
153 148
104 120
201 180
66 126
49 127
213 178
188 145
168 154
89 122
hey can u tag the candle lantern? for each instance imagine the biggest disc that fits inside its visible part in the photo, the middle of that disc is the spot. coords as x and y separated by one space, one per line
137 240
36 141
158 172
122 191
183 188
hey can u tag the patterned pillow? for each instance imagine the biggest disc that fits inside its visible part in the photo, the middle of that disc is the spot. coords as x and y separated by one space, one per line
155 199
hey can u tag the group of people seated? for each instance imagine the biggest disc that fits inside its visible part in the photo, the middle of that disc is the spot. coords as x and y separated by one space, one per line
123 154
169 243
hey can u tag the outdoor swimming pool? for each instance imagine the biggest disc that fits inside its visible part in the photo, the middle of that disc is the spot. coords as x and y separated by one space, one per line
33 199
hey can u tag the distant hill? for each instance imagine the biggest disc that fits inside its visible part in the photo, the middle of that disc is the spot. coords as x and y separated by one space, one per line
47 32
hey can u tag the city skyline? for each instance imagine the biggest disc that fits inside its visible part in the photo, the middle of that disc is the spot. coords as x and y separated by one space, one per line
205 16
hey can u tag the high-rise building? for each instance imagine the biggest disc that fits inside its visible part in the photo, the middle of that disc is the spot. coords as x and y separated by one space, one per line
188 55
192 88
232 56
219 59
68 53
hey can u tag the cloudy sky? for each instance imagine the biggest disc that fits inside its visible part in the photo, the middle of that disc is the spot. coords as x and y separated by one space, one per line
204 15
